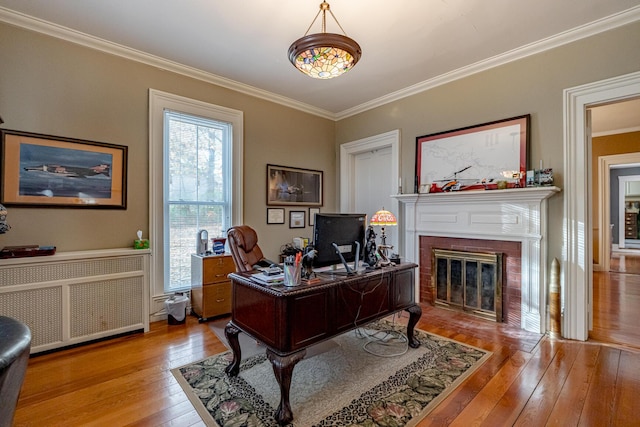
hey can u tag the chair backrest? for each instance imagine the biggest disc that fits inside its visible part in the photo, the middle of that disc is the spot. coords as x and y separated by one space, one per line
15 345
243 242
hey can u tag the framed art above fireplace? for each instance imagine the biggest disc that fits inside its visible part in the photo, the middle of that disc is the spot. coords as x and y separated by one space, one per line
485 156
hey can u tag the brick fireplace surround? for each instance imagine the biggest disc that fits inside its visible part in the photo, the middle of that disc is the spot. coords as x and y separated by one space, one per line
511 297
512 221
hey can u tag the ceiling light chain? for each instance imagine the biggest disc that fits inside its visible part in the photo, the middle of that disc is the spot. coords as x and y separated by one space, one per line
324 55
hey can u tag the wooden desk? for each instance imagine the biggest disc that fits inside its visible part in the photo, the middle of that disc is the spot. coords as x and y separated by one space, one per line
288 320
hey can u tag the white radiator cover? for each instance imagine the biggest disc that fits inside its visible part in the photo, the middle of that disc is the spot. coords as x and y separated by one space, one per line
73 297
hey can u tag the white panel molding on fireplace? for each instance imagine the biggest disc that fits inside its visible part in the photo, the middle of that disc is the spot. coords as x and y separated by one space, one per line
512 215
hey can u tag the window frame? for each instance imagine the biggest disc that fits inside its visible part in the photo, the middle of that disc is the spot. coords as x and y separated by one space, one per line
159 102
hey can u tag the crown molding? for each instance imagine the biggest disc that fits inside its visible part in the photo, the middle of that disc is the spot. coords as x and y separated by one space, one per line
44 27
608 23
58 31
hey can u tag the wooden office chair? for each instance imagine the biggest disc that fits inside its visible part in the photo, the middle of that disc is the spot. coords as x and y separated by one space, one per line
243 242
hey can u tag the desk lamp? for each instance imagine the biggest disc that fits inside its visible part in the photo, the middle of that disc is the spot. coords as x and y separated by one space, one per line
383 218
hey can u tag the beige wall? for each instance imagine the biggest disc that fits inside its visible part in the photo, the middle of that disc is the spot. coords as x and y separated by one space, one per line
533 85
54 87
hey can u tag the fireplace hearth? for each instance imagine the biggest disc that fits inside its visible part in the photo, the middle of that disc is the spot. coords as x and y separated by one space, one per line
469 282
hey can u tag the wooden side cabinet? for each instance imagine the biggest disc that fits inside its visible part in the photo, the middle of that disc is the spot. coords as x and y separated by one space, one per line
631 225
210 287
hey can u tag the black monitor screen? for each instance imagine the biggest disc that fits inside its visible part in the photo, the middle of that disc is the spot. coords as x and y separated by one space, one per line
343 230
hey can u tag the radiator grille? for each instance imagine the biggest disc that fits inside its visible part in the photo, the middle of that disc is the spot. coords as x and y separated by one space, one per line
102 306
77 299
47 272
40 309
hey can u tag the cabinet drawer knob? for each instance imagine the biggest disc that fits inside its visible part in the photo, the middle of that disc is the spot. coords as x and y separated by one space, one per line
220 300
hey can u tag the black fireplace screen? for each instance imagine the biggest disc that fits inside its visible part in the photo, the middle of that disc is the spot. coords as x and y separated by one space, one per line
469 281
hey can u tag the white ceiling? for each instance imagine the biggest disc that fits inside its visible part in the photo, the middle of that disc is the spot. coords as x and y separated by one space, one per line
618 117
408 45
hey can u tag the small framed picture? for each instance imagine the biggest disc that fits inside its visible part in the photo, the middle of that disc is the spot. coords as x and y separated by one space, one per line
312 215
296 219
275 215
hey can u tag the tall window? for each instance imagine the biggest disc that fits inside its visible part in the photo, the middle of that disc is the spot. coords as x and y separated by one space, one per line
197 188
195 152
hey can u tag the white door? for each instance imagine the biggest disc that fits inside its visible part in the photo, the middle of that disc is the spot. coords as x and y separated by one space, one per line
373 188
369 176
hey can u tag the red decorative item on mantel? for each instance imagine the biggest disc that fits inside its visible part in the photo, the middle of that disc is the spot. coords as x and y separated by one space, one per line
26 251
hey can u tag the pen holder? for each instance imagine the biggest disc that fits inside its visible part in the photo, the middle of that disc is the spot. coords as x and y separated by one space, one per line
292 274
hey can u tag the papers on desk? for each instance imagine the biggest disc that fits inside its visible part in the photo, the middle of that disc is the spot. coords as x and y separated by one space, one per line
274 279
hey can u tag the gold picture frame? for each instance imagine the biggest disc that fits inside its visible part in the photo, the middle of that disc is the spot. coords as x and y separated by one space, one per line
51 171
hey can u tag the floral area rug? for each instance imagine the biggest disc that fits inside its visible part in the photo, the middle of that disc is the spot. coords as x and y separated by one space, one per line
370 378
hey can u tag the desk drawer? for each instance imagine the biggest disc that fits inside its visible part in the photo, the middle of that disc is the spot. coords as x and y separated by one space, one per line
216 269
212 300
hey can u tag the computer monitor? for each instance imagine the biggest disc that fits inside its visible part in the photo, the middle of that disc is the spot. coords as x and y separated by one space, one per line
339 239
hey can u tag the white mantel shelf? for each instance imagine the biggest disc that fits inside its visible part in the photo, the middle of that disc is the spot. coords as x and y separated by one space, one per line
529 193
513 215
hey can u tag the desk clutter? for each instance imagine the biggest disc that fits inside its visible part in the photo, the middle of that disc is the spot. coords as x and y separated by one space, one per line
268 279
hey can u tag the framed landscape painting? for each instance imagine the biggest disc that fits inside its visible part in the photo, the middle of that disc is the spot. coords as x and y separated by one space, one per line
50 171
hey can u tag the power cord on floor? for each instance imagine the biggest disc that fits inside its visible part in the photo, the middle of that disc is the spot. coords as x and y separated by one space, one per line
389 338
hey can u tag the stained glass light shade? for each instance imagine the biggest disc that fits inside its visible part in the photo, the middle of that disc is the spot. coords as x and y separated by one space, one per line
324 55
383 218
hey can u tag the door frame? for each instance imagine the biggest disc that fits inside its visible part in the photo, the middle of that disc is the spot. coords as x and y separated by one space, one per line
577 280
348 153
621 202
604 201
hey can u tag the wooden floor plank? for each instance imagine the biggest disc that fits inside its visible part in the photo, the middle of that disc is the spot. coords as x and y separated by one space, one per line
616 299
480 407
570 402
508 408
542 400
626 409
598 408
180 414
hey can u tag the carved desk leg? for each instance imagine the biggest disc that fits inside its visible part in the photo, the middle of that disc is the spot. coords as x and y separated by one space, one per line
414 315
231 332
283 369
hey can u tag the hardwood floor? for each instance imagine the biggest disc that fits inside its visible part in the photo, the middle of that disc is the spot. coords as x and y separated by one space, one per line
616 306
625 262
529 380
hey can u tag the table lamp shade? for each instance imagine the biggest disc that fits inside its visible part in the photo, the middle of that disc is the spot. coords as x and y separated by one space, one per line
383 218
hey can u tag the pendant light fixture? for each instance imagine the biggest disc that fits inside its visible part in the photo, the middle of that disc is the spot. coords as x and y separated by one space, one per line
324 55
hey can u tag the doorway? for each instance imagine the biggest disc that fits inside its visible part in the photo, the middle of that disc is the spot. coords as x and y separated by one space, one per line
369 175
615 269
577 278
608 223
629 211
625 256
